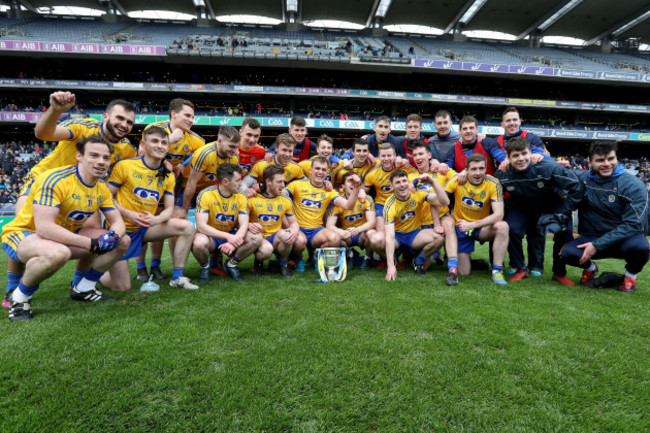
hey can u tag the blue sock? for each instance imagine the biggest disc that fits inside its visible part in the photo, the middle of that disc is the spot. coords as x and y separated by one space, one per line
177 273
497 268
155 263
27 291
420 259
214 263
12 280
78 276
282 262
233 261
452 263
140 265
93 275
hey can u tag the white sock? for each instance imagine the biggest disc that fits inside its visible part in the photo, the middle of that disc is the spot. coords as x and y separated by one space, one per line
85 285
633 276
592 267
18 296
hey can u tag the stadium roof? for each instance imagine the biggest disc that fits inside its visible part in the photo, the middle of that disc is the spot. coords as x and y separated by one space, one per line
590 20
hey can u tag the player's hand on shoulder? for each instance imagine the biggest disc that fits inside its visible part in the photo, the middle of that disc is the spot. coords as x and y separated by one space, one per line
62 101
176 136
564 163
269 157
328 186
535 158
443 168
505 164
462 177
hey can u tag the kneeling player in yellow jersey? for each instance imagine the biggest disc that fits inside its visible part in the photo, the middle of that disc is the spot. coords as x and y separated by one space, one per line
267 210
402 223
354 226
182 142
473 202
138 185
284 145
310 202
439 219
222 222
47 232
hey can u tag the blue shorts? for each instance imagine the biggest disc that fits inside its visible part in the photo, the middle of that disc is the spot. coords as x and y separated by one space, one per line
406 239
354 240
11 242
179 199
135 249
379 210
466 243
310 233
271 238
426 226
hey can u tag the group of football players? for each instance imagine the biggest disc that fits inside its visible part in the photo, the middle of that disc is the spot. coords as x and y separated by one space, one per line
392 197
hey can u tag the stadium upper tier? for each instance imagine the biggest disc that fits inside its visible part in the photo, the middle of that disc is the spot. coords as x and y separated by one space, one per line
188 39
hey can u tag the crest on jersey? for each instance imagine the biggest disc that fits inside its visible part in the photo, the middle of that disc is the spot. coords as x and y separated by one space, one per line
280 207
161 182
252 159
118 156
186 147
234 206
540 184
611 198
322 196
269 207
483 194
99 200
412 203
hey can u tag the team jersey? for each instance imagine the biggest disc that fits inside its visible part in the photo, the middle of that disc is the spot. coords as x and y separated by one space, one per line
62 188
65 153
379 178
442 181
473 202
177 153
248 158
223 212
138 187
206 160
360 171
292 171
355 217
268 212
310 202
405 214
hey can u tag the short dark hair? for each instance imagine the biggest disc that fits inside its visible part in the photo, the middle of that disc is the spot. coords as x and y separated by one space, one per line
602 147
517 144
509 110
321 160
298 121
396 174
420 143
229 132
154 129
325 137
382 118
128 107
414 118
360 142
468 119
251 122
227 171
475 157
443 114
93 138
268 173
346 175
177 105
285 138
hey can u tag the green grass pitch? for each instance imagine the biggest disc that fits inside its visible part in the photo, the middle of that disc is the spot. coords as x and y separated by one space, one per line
364 355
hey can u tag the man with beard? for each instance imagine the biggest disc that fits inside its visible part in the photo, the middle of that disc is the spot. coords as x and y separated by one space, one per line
249 151
413 134
445 136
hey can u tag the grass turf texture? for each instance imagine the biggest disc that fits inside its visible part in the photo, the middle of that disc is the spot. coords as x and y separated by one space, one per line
362 355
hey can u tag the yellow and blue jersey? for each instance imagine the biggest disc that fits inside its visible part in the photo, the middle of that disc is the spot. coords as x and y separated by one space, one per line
306 168
310 202
65 153
138 187
405 214
268 212
62 188
355 217
360 171
473 202
441 179
177 153
223 212
206 160
380 180
292 171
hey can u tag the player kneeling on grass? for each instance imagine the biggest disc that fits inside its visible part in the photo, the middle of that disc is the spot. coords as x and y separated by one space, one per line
310 202
47 232
473 201
402 221
354 226
138 185
267 211
222 222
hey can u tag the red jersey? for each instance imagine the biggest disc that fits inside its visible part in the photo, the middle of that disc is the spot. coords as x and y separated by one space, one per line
248 158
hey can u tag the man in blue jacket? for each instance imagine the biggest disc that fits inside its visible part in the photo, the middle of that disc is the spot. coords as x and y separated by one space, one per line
613 214
534 193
